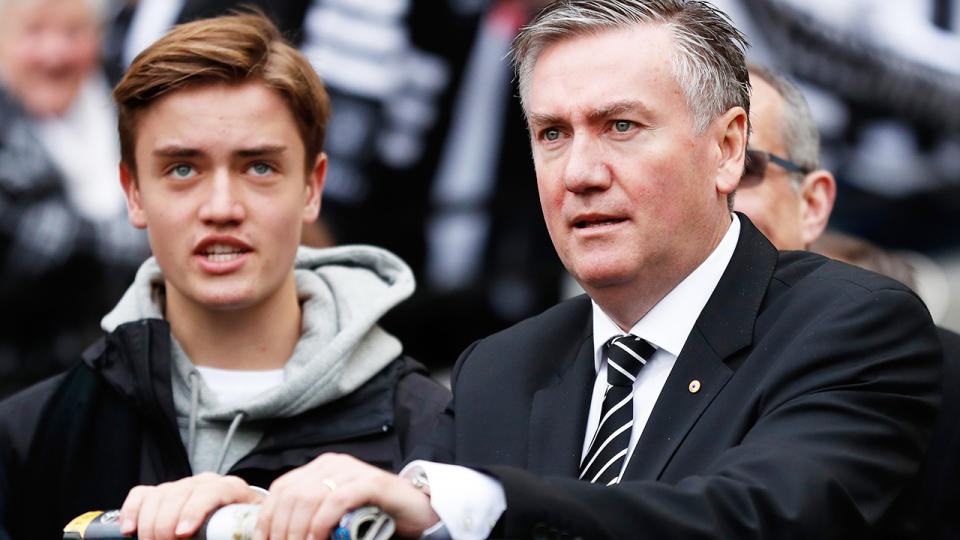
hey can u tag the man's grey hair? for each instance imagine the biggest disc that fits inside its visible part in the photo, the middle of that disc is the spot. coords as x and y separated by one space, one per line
709 63
798 132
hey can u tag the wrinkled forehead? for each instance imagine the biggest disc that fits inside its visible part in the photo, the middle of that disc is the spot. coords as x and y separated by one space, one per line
616 65
613 32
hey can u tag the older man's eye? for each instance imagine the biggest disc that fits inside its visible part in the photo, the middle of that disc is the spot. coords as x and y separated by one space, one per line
622 125
551 134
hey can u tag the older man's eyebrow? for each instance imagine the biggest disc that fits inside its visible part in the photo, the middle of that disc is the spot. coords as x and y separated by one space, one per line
615 109
600 114
544 119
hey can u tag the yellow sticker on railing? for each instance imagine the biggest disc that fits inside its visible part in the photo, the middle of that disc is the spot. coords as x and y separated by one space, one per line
80 523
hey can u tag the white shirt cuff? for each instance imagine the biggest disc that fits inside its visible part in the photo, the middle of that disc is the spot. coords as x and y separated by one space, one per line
468 502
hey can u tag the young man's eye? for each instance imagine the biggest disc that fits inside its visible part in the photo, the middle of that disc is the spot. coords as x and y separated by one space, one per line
622 126
260 169
182 170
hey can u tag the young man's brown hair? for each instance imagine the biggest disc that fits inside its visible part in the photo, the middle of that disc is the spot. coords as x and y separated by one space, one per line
233 49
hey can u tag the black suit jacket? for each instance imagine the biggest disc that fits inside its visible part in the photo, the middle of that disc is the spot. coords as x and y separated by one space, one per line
818 390
928 509
941 478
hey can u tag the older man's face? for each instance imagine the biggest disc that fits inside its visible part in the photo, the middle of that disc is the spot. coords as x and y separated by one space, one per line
773 202
47 49
632 195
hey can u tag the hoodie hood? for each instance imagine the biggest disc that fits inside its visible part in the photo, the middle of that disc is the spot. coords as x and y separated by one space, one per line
343 292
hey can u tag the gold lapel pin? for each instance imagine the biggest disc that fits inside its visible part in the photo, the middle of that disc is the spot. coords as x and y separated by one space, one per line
694 386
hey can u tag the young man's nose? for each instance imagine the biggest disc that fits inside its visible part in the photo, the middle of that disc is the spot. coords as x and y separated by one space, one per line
224 201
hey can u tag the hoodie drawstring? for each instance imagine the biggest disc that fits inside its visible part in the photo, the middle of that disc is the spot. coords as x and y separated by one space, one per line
192 428
227 439
194 406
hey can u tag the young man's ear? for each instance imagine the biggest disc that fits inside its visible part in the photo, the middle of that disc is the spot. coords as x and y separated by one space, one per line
817 193
731 137
315 179
132 191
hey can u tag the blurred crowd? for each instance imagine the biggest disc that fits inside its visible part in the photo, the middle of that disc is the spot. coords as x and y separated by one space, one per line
428 152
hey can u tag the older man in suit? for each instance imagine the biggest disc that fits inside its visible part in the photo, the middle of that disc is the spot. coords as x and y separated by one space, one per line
707 385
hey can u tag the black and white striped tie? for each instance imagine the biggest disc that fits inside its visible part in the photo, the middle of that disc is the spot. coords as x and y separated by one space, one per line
625 356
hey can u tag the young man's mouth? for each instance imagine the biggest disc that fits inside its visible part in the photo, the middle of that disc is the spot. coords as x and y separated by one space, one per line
221 252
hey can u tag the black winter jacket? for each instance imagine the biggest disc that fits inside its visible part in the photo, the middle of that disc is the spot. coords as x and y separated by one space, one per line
81 440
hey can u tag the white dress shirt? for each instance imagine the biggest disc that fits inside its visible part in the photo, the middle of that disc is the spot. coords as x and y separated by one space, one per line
470 505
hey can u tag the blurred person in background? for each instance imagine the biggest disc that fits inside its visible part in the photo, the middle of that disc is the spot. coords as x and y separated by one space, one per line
432 160
882 80
789 197
783 190
66 250
854 250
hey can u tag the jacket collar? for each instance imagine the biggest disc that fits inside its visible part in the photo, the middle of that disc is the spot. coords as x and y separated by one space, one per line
135 361
724 327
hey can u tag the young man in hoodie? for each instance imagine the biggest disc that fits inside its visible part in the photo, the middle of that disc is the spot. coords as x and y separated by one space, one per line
235 351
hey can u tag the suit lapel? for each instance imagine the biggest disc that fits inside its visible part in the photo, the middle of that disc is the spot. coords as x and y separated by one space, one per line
724 327
678 407
558 414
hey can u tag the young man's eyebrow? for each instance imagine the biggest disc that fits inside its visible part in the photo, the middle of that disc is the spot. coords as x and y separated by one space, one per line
176 152
264 150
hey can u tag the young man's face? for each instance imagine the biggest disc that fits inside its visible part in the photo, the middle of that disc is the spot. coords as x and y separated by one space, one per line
221 188
632 195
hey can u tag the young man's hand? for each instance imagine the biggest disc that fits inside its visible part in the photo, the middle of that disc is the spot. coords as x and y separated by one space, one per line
177 509
311 500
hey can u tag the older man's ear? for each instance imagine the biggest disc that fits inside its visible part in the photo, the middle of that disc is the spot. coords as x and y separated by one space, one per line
732 144
818 192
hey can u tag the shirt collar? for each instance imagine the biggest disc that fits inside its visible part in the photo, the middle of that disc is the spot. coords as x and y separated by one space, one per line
667 325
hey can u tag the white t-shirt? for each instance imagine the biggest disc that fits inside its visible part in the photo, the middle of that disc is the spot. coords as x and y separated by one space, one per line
237 386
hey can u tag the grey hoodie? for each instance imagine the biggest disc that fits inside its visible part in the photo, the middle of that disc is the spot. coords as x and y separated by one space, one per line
343 292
